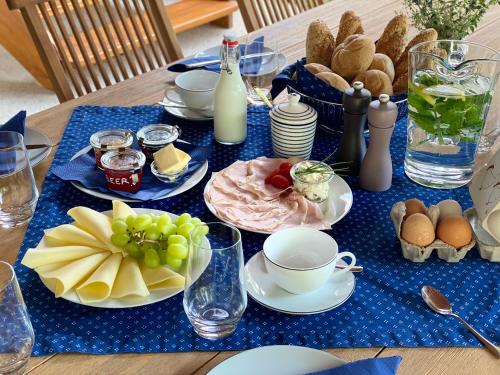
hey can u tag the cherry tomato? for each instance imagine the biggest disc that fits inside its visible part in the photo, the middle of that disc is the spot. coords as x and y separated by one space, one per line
280 182
270 176
285 167
287 175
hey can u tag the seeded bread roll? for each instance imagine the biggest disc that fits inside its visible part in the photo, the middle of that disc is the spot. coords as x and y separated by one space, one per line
401 84
316 68
349 24
353 56
376 81
320 43
384 63
334 80
426 35
393 39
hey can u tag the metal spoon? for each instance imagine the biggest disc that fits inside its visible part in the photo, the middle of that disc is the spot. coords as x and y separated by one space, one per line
439 303
353 269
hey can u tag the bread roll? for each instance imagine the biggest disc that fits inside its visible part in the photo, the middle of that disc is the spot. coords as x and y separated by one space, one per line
334 80
354 56
320 43
384 63
426 35
316 68
393 39
401 84
376 81
349 24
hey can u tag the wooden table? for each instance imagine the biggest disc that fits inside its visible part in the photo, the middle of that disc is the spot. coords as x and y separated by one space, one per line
148 89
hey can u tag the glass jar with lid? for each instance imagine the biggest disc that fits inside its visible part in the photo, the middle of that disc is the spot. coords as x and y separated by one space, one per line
109 140
123 169
154 137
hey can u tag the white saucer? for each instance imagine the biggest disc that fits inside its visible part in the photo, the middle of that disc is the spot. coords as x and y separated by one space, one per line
184 113
35 137
278 360
263 290
190 183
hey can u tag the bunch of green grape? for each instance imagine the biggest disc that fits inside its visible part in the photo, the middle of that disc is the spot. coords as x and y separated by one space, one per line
156 238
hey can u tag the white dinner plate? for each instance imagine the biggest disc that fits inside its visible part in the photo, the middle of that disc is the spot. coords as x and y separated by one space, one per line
262 289
264 69
278 360
190 183
114 303
184 113
35 137
337 205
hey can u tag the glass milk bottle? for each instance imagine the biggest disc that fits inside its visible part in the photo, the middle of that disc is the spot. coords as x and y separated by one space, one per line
230 103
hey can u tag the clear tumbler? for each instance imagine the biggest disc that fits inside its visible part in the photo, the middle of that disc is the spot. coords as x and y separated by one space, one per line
18 192
215 295
16 332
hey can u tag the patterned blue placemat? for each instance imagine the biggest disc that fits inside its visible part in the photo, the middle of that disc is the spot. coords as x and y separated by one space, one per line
386 308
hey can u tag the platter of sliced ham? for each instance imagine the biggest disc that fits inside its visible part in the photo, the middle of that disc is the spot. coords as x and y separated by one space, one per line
238 195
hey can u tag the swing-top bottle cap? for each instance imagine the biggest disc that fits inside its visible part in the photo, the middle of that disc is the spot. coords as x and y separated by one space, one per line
230 39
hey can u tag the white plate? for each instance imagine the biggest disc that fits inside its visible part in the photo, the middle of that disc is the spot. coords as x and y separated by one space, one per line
264 69
261 287
278 360
113 303
35 137
184 113
190 183
337 205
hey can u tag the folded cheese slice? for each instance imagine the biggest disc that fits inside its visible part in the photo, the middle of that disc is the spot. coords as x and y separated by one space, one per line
161 278
51 284
121 210
64 278
99 285
69 234
48 255
96 223
129 281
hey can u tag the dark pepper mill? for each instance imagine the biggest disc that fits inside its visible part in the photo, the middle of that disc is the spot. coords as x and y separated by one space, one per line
352 146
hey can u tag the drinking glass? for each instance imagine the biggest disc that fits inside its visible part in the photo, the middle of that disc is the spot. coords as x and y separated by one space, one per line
16 332
215 296
451 84
258 72
18 192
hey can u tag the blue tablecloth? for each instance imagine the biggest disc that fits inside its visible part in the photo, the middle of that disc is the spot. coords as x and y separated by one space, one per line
385 310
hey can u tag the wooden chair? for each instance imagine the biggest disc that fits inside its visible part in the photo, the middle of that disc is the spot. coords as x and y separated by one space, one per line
86 45
259 13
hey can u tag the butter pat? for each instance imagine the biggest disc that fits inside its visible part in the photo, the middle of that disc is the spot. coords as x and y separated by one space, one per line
170 159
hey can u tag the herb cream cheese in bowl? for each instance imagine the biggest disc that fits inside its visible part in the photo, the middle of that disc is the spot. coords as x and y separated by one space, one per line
312 179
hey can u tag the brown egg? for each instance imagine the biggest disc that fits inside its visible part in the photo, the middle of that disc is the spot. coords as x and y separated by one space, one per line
417 229
414 206
455 231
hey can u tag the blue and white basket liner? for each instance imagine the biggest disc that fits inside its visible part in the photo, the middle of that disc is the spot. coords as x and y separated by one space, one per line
325 99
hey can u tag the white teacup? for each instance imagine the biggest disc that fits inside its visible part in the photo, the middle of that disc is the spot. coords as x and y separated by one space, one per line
301 260
196 89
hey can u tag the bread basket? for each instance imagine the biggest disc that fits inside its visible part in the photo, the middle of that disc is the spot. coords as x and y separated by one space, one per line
326 100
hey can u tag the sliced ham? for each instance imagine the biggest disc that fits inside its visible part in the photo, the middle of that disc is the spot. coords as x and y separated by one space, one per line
239 195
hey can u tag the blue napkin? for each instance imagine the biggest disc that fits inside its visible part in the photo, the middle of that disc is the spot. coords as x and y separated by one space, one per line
252 67
370 366
16 123
83 170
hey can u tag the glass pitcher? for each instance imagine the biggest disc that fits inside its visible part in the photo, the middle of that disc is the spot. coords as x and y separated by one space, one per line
451 84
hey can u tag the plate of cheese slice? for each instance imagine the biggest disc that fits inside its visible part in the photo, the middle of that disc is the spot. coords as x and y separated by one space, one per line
78 262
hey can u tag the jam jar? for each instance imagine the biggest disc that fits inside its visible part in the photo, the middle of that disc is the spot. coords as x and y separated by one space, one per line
123 169
108 140
152 138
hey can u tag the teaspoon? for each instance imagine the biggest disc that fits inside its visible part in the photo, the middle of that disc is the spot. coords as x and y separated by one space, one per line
439 303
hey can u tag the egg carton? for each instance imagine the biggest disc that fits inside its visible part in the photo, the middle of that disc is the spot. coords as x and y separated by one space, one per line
489 248
420 254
